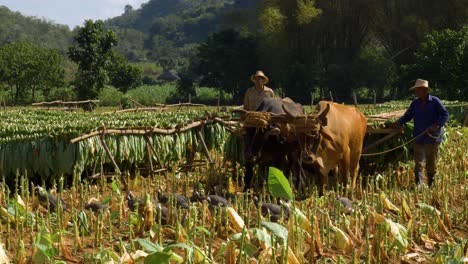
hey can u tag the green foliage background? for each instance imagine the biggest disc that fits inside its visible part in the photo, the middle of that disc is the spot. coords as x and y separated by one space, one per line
320 48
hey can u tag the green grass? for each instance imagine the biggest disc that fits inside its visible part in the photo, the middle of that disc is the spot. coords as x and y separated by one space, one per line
149 95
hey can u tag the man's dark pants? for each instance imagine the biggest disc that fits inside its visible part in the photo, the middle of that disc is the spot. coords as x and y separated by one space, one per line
425 152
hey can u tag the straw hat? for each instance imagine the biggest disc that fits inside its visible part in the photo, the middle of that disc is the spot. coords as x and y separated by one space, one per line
421 83
259 74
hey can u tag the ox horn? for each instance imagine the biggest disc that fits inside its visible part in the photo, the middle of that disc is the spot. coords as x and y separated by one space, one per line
311 158
242 111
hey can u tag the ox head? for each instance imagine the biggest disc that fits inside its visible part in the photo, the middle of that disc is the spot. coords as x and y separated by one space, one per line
261 141
311 141
263 144
321 117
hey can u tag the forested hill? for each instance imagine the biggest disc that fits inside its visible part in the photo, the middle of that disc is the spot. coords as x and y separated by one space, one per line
160 30
16 27
168 29
156 14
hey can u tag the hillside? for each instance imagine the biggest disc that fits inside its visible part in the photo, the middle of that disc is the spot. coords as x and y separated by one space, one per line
16 27
168 29
193 17
165 31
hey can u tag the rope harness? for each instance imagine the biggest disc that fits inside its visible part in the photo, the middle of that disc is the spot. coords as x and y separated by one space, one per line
402 145
261 120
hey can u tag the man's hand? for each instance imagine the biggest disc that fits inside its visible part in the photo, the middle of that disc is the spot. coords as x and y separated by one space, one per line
434 128
396 126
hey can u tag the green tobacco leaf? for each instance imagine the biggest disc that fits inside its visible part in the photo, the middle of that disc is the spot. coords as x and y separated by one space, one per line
427 209
398 233
200 229
250 249
158 257
149 246
106 256
278 185
262 235
83 221
115 188
278 230
46 252
179 245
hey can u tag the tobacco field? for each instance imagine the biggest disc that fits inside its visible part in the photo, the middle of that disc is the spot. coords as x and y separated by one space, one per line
63 200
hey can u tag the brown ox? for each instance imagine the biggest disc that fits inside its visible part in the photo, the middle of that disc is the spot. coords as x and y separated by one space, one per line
338 142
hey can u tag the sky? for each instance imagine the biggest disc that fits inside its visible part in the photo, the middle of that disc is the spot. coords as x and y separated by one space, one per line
70 12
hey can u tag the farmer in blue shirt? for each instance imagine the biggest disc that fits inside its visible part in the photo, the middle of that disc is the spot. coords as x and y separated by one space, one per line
429 115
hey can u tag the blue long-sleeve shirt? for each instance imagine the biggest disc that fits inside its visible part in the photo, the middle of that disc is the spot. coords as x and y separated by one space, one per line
425 115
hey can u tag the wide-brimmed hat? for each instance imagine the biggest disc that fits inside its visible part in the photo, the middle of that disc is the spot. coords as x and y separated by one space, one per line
421 83
259 74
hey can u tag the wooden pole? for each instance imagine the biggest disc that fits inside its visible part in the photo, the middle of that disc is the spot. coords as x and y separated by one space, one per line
104 145
380 141
148 142
150 157
189 162
375 97
355 99
139 109
311 100
140 131
465 119
205 149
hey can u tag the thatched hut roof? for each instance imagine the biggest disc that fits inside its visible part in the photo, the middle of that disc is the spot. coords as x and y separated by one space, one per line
169 76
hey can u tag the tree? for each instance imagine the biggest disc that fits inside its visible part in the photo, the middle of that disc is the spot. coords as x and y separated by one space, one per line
401 25
51 74
131 44
225 61
123 75
128 9
92 51
185 87
25 67
443 60
286 26
373 70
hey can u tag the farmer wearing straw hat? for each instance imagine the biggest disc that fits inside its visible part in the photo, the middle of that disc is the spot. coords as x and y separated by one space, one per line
429 114
254 95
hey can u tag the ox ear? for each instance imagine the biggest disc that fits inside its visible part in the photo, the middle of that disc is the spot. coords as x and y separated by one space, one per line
291 108
322 116
288 112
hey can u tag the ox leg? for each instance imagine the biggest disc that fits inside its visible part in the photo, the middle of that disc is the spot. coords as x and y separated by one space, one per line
262 176
354 169
323 179
248 175
345 168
